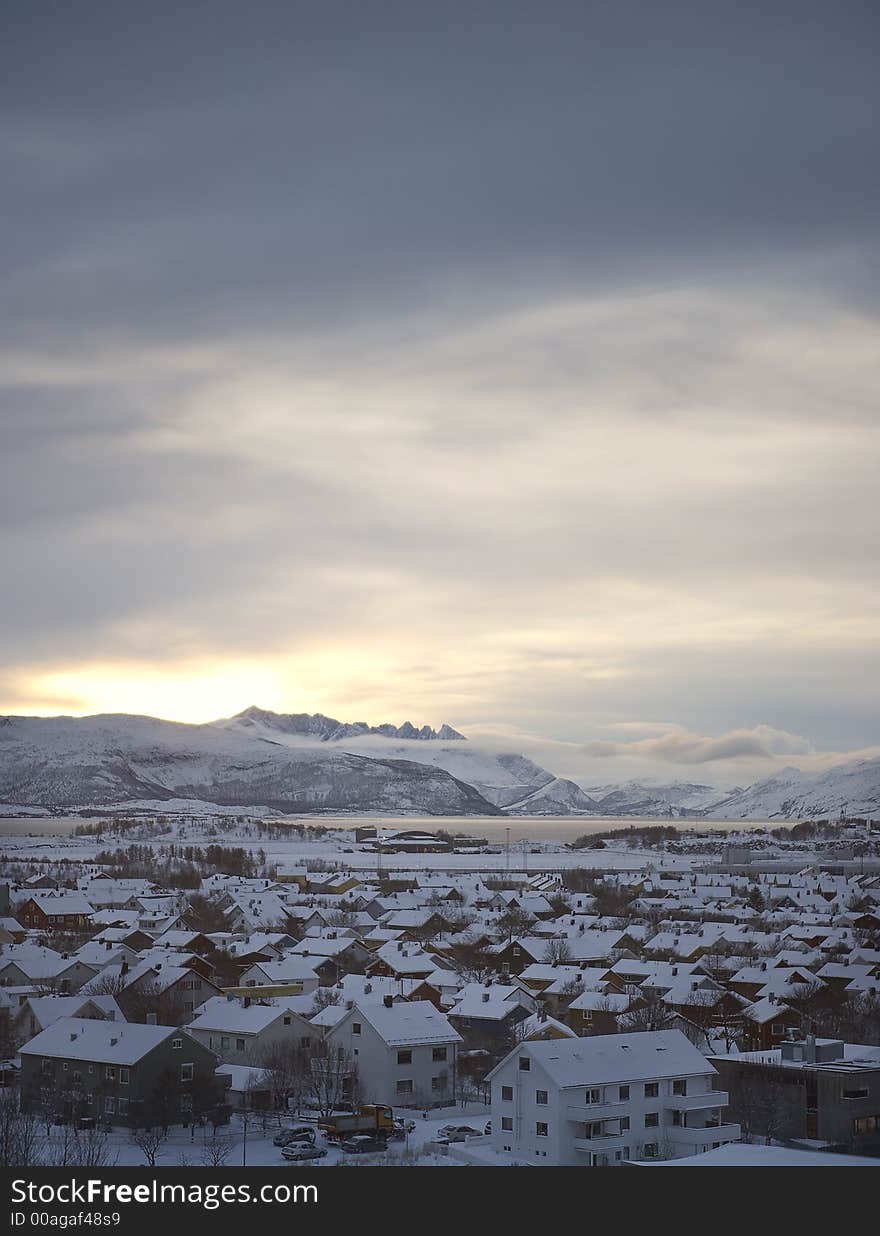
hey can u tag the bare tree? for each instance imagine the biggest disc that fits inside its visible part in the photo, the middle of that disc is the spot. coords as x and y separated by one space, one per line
514 922
332 1076
558 951
323 997
216 1149
150 1142
21 1138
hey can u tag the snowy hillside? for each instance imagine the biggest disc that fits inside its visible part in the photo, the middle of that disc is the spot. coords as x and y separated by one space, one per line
680 799
853 788
113 760
503 780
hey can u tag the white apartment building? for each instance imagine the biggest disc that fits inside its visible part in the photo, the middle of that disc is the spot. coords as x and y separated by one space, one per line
405 1053
597 1101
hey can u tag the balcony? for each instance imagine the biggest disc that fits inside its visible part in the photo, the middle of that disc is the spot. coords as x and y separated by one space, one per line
696 1102
698 1140
597 1144
584 1113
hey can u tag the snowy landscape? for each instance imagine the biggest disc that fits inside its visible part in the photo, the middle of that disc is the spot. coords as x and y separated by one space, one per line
301 763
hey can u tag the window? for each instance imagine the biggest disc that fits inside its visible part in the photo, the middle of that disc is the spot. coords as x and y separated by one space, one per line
224 1041
623 1093
438 1083
624 1124
517 952
505 967
91 1068
439 1053
186 1072
777 1027
586 1015
860 1093
680 1086
650 1150
524 1064
77 1076
306 1042
355 1027
405 1086
541 1129
404 1057
239 1045
65 1066
109 1106
676 1118
124 1077
507 1124
507 1094
287 1021
652 1120
110 1073
541 1098
652 1089
176 1044
123 1107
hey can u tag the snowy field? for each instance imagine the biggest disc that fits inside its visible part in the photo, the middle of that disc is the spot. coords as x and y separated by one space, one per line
340 849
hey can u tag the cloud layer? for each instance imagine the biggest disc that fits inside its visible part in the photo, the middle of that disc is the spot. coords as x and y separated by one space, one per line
509 372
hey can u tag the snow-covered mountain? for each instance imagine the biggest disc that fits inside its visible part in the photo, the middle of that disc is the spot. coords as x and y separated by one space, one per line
115 760
328 729
302 763
680 799
852 788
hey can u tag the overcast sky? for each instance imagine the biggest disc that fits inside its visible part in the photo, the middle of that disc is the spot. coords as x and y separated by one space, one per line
511 365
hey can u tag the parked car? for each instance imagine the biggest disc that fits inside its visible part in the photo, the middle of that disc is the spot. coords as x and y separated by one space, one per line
362 1143
302 1133
301 1152
457 1133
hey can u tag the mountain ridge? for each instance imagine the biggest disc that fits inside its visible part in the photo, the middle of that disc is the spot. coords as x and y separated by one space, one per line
309 763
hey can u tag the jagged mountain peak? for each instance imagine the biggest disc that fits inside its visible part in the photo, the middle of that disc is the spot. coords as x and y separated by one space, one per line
328 729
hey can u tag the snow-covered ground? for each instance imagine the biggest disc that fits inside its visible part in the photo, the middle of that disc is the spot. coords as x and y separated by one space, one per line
188 1147
341 850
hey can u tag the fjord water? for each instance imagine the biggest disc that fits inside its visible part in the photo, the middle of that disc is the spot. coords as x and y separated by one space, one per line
496 830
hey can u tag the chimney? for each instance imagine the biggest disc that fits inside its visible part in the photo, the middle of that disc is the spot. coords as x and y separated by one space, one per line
486 997
113 1042
388 1001
368 987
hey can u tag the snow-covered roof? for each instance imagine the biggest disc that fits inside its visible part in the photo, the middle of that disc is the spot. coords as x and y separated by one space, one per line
107 1042
409 1022
607 1058
231 1016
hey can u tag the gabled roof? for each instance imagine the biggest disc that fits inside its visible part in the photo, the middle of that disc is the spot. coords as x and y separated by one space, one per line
106 1042
606 1058
409 1022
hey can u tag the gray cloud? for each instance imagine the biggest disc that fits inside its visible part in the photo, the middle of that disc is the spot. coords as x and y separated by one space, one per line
518 365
